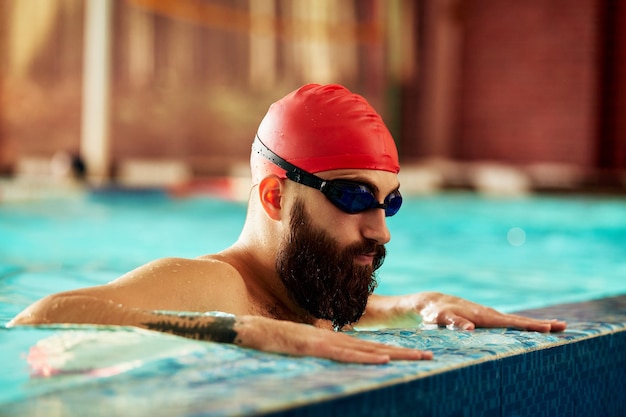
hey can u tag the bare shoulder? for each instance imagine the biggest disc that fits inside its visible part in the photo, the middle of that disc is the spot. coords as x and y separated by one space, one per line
184 278
173 284
183 284
180 269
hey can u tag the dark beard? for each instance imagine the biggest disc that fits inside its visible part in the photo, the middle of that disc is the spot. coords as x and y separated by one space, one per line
321 277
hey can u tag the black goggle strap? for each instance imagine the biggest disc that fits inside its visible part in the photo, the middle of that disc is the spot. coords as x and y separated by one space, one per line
293 172
301 176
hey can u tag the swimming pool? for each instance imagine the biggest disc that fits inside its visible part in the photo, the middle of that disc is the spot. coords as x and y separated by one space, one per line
512 254
508 253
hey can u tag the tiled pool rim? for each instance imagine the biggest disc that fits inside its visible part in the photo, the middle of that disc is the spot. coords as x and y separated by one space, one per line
583 373
487 372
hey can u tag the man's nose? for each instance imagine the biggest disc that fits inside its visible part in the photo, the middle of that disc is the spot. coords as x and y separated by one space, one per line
374 226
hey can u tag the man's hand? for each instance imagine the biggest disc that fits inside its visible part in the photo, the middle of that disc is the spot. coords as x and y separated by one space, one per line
452 312
455 312
303 340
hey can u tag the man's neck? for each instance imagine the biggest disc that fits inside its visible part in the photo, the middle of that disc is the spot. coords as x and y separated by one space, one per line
266 292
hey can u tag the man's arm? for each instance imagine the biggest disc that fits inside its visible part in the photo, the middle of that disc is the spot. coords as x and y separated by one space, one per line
446 310
254 332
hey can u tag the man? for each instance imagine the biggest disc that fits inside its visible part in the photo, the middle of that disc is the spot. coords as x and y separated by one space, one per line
324 170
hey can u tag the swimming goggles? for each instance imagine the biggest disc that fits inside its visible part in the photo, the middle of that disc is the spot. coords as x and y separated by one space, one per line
349 196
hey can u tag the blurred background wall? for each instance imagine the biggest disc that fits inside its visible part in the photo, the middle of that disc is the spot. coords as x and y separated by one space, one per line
537 85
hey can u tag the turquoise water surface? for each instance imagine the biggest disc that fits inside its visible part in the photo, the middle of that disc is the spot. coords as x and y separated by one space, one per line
507 253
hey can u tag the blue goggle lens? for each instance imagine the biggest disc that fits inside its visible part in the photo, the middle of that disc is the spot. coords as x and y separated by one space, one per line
353 198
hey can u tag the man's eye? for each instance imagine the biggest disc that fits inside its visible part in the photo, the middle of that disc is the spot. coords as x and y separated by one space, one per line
353 185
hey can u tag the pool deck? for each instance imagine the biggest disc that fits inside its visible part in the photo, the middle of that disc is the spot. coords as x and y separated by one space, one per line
486 372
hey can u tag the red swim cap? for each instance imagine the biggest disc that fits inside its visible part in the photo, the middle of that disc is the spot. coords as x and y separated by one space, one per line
320 128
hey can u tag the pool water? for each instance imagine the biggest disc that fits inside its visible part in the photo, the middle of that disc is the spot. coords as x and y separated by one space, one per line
512 254
508 253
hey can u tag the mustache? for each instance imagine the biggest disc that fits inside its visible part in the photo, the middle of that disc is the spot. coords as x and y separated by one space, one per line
366 248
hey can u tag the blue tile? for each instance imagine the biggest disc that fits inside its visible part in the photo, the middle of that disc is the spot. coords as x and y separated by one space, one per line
487 372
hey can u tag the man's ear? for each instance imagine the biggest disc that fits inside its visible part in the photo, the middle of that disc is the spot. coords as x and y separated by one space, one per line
270 194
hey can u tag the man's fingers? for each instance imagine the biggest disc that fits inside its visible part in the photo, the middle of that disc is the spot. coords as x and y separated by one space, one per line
456 322
351 356
527 323
397 353
557 325
361 351
459 323
355 356
545 326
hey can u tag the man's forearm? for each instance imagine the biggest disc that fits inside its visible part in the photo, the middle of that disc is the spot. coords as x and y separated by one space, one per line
256 332
390 311
216 329
86 309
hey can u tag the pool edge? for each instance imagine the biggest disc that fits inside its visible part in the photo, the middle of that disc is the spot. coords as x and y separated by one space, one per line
581 374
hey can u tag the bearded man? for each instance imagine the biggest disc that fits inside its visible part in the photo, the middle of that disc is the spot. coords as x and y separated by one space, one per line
324 173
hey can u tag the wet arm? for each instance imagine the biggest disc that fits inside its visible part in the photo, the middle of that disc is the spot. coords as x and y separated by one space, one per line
254 332
390 312
450 311
88 309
